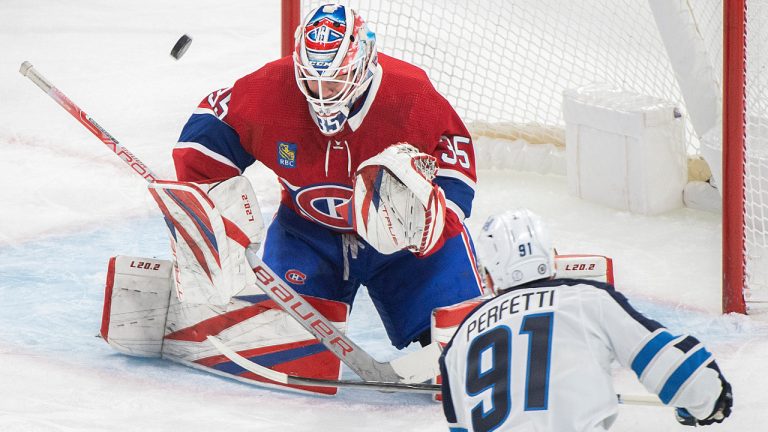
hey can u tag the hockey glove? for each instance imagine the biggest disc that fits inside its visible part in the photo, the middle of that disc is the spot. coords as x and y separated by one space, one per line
722 406
721 411
684 417
395 204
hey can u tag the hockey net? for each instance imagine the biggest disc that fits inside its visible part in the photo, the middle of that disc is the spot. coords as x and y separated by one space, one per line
504 66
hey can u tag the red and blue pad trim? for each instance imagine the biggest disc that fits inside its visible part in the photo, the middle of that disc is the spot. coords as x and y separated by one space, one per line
303 356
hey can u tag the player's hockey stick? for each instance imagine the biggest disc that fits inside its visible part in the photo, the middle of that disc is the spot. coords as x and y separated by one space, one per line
416 367
283 378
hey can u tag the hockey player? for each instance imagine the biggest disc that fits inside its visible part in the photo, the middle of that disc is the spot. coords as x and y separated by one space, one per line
377 172
538 356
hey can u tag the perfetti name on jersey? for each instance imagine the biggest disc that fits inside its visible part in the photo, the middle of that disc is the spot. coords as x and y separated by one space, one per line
512 303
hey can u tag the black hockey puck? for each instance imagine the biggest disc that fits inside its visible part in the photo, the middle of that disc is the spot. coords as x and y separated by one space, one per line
181 46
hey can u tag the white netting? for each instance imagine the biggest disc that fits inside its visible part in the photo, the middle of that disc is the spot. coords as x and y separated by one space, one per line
509 61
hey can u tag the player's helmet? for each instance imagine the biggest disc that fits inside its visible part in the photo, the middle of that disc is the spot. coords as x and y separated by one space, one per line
514 249
335 59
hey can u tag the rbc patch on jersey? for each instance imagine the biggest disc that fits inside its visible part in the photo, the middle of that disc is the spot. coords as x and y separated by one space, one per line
286 155
323 36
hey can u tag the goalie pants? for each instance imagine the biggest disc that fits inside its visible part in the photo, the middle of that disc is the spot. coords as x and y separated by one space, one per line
403 287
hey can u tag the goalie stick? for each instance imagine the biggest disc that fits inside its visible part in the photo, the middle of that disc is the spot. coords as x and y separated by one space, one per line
416 367
424 388
284 378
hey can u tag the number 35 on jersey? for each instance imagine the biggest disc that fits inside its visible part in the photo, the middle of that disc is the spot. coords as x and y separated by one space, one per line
454 151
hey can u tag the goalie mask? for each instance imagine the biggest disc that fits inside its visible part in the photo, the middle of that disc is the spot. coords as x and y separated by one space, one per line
334 61
514 249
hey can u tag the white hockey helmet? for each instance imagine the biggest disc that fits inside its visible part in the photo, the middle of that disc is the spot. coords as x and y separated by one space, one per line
334 60
514 249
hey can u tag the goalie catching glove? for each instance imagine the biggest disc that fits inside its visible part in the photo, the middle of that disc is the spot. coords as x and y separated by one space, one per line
396 206
211 227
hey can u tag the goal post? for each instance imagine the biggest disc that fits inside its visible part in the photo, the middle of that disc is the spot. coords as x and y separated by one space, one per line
290 17
505 66
734 121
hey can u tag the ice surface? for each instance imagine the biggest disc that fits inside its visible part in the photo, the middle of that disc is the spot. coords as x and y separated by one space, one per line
68 205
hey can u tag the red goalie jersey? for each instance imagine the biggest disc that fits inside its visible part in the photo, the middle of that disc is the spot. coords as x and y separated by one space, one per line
265 117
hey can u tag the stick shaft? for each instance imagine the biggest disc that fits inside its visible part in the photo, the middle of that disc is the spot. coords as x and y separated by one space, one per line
123 153
639 399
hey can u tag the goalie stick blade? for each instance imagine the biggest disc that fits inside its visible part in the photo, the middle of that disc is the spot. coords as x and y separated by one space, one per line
284 378
420 365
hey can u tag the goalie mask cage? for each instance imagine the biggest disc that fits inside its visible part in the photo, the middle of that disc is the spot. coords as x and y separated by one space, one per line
504 65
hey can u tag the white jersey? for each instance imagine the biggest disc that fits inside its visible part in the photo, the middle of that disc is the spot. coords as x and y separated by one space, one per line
538 358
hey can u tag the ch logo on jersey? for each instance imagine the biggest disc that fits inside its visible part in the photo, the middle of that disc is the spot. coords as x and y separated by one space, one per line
286 155
326 205
295 277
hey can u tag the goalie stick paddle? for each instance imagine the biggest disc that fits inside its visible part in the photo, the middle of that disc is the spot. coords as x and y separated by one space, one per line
283 378
409 369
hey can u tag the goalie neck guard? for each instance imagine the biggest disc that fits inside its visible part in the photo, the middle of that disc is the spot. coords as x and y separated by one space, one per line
515 249
334 61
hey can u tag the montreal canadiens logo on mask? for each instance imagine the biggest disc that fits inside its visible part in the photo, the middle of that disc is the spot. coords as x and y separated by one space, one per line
325 33
326 205
323 38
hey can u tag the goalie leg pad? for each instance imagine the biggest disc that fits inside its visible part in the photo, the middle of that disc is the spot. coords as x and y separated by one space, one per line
258 329
136 300
445 321
211 227
143 318
593 267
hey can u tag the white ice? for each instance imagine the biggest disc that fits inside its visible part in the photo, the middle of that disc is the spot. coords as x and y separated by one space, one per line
68 205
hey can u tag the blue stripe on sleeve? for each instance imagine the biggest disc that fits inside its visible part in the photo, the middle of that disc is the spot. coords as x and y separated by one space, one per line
649 351
682 373
457 429
458 192
445 387
218 137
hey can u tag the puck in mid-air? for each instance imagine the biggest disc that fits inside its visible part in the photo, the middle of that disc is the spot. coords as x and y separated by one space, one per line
181 46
